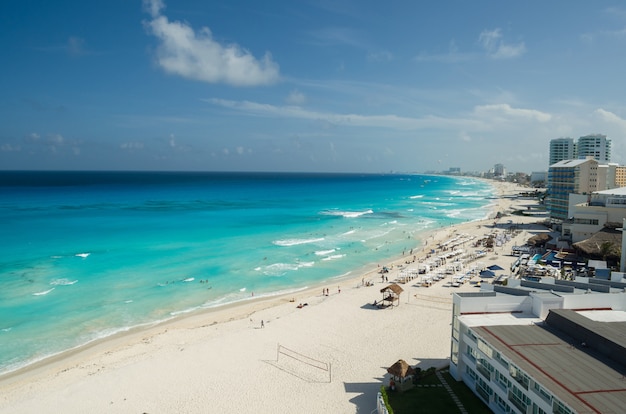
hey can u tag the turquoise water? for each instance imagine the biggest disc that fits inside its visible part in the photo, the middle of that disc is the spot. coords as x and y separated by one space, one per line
86 255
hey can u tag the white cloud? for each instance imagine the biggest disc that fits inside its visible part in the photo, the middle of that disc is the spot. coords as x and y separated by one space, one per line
492 42
296 98
503 111
611 118
196 55
380 121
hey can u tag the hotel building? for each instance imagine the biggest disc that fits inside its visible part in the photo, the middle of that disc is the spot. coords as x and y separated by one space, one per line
561 149
569 177
596 146
551 347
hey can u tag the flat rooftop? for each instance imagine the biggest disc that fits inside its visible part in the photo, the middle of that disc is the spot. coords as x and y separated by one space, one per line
495 319
578 376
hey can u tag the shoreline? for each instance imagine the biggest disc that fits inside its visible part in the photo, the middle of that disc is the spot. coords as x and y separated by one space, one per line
418 243
231 330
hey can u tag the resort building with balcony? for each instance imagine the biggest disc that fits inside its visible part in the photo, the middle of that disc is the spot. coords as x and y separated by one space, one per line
535 347
569 177
600 209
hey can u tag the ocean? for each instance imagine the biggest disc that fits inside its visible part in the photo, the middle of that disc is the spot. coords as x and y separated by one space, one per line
86 255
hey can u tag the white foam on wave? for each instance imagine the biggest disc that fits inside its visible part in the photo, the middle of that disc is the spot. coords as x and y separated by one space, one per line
5 329
45 292
334 257
324 252
189 279
63 282
279 269
416 196
347 214
243 289
83 255
295 242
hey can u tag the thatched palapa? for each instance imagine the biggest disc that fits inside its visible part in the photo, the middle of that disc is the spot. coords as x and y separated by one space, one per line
391 294
605 244
401 369
539 239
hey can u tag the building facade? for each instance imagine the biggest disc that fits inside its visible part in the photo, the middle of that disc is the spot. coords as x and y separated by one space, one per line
562 149
596 146
510 347
569 177
601 207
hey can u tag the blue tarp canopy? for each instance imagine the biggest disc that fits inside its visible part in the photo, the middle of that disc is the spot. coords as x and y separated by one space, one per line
487 273
495 267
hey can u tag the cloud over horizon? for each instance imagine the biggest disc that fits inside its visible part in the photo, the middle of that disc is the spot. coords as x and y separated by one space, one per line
197 55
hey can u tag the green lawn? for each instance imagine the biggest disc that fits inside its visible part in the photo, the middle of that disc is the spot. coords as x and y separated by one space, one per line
429 396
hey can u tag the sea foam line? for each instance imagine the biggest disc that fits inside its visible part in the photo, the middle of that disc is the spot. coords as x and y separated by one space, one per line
347 214
294 242
45 292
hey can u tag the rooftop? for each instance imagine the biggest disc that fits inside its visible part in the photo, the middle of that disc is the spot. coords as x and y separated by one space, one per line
576 373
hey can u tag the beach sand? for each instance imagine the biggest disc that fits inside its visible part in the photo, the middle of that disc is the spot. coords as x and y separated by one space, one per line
337 348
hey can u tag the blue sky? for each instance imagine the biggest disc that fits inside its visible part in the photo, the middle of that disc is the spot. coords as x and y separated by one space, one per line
337 85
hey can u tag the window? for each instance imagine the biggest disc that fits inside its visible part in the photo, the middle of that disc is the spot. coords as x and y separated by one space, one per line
455 353
502 380
485 348
559 408
472 353
502 360
542 392
484 367
519 376
502 404
519 399
483 389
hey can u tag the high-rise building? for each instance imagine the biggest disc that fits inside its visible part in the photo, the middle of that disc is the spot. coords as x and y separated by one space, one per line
499 170
561 149
596 146
570 177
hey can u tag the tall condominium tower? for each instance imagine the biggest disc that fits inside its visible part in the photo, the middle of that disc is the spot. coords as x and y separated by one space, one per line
596 146
561 149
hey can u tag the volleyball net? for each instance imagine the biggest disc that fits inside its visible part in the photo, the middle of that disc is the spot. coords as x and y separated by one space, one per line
303 365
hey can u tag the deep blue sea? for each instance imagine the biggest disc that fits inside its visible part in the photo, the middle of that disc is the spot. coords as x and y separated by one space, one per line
88 254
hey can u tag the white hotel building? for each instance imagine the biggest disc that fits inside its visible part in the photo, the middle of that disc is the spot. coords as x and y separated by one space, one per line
550 347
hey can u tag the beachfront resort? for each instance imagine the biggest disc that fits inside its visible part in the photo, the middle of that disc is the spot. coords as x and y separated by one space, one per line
547 335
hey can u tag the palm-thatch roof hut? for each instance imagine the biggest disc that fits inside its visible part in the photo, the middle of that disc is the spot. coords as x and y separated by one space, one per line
605 244
401 375
539 239
391 295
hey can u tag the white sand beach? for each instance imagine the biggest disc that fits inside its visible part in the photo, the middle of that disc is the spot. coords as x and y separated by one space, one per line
223 360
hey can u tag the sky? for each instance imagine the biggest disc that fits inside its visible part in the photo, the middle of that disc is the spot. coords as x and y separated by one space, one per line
316 86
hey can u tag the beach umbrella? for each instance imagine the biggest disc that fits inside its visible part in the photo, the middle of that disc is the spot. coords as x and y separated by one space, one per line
495 267
487 273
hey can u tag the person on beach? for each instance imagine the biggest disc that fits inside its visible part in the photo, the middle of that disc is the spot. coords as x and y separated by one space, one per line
262 324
